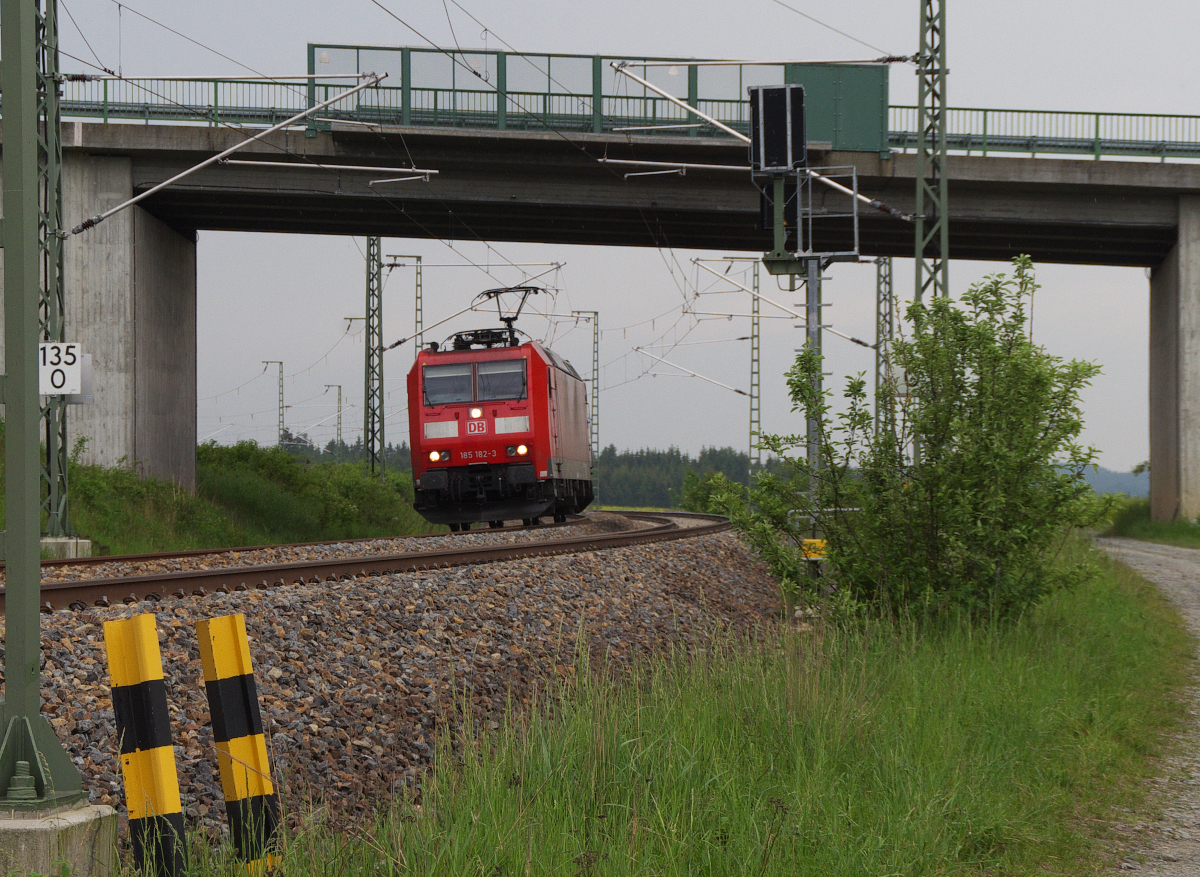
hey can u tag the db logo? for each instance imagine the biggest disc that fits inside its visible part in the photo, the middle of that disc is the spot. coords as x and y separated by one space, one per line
476 427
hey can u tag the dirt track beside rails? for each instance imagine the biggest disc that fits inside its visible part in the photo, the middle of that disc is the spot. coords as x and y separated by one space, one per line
1168 845
353 676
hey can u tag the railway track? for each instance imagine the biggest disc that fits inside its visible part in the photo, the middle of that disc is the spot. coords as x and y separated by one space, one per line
82 593
206 552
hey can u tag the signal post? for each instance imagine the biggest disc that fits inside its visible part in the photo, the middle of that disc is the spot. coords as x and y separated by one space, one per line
45 819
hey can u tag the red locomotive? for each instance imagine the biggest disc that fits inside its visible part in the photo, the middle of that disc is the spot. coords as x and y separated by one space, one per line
498 430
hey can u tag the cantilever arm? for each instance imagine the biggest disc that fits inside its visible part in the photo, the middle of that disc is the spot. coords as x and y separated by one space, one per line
881 206
99 218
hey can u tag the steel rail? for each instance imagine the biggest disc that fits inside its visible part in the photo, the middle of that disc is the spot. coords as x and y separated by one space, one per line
199 583
99 559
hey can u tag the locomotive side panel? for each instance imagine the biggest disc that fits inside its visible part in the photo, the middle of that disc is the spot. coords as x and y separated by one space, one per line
571 440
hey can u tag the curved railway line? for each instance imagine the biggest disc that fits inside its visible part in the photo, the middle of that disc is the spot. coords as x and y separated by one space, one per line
83 593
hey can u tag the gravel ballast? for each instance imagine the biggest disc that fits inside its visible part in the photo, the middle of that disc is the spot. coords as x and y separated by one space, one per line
594 525
354 677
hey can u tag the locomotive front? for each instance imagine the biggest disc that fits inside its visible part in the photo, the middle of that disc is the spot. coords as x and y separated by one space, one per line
498 430
482 425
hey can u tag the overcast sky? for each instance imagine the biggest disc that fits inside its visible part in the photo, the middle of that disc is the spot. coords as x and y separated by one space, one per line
280 297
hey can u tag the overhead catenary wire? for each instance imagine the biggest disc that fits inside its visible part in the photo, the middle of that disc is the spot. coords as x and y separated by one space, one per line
470 307
279 80
490 249
721 315
694 343
223 123
887 56
315 165
121 5
675 165
750 62
83 36
96 220
690 372
218 432
535 117
881 206
210 116
776 304
347 407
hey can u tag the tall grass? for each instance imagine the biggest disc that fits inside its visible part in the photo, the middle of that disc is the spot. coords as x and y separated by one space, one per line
1131 517
877 750
124 513
246 495
293 500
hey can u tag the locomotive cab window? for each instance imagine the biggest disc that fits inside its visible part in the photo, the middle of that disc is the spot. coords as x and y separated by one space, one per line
563 364
503 379
447 384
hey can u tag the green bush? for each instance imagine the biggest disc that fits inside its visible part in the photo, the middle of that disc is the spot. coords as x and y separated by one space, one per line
702 494
298 501
963 498
246 495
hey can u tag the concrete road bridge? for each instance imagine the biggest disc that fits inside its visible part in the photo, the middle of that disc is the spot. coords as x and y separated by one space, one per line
539 148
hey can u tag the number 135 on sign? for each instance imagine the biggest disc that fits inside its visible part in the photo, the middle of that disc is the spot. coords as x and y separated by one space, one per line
60 369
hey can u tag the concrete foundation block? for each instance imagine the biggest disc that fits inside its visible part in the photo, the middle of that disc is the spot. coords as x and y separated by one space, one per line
80 841
65 547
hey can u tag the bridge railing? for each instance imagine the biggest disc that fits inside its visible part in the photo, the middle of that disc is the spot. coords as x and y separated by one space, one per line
211 101
983 131
491 105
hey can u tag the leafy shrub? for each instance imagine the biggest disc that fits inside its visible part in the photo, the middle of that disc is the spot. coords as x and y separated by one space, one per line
702 494
963 498
298 501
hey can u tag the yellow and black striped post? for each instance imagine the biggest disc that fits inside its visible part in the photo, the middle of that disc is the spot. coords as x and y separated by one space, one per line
250 798
139 697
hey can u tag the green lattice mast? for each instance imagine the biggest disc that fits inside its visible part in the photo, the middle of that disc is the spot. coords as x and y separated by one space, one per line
932 252
373 363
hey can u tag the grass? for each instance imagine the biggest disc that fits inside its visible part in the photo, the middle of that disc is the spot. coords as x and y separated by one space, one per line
246 495
1131 518
291 500
123 513
877 750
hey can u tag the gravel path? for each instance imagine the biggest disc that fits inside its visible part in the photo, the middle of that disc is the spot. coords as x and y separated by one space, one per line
355 677
596 524
1169 845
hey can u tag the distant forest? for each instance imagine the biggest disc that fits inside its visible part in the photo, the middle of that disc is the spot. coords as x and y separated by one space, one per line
650 478
644 478
395 457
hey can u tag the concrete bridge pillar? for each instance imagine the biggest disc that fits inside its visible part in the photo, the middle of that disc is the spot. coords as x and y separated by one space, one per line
130 289
1175 373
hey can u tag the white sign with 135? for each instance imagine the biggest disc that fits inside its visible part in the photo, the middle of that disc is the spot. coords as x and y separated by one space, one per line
60 369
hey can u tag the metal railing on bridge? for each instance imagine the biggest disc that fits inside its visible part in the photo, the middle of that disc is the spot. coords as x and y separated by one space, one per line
983 131
493 90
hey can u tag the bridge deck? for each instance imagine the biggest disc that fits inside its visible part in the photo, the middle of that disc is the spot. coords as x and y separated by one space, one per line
550 187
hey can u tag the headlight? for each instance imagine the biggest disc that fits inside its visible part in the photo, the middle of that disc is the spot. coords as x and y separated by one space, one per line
522 450
477 412
434 456
511 450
